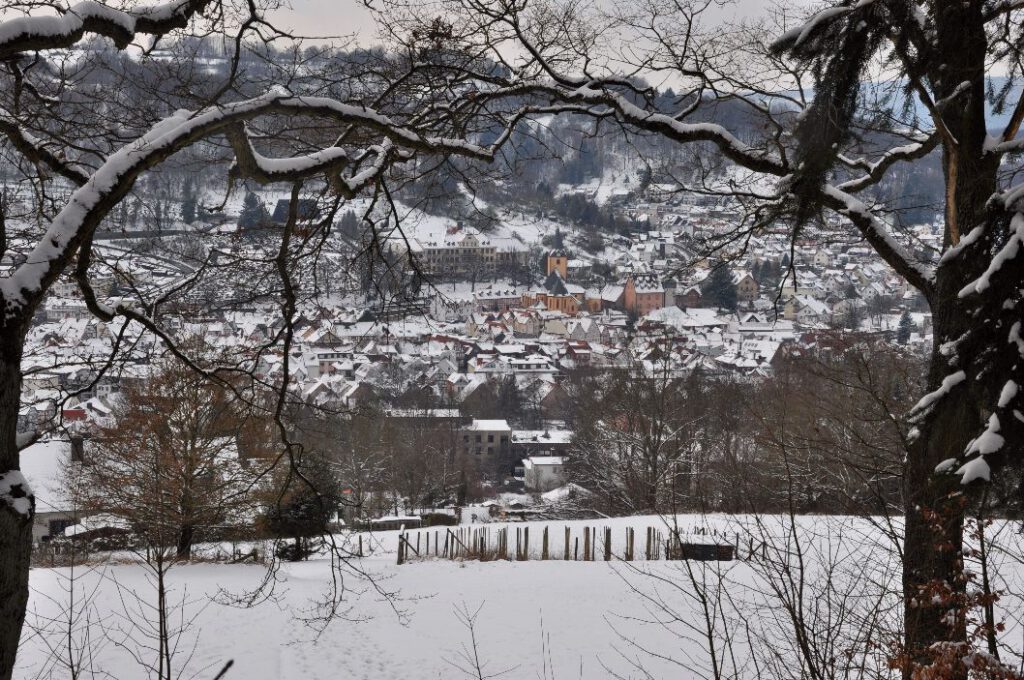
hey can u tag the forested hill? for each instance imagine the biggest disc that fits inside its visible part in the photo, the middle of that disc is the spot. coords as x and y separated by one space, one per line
546 158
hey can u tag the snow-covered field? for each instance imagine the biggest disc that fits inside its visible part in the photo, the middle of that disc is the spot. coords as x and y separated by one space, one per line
537 619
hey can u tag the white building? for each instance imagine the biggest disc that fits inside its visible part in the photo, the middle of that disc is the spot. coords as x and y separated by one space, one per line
543 473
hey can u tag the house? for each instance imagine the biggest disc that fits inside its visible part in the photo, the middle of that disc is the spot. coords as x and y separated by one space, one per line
806 310
544 473
496 299
643 294
50 468
549 442
307 210
489 440
689 297
746 287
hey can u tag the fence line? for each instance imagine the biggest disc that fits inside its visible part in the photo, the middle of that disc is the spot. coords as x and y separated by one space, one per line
483 543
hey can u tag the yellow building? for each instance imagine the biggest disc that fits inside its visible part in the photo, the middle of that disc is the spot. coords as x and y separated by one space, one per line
558 261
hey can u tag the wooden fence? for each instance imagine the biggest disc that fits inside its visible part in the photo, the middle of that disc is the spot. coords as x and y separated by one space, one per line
587 544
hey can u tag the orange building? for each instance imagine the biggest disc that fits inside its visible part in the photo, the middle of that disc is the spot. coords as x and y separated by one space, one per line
644 294
558 261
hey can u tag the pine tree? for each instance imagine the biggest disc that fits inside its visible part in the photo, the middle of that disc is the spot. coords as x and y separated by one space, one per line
719 290
905 328
559 243
254 214
188 204
349 224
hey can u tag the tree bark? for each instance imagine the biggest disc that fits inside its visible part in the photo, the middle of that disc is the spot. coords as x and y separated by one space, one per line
934 512
185 536
15 526
935 504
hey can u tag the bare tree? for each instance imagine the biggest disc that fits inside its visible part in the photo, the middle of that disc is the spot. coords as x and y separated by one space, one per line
634 444
168 465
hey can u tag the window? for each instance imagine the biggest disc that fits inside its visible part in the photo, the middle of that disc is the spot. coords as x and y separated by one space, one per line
490 439
478 439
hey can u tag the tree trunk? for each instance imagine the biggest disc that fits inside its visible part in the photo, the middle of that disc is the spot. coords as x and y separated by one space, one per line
15 525
932 563
185 535
935 504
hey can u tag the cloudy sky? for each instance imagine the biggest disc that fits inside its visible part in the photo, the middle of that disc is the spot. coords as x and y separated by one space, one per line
349 17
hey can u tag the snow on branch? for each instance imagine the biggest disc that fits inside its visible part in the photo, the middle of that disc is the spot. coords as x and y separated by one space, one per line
91 202
877 233
28 33
594 92
875 170
1008 252
977 468
34 150
795 37
927 401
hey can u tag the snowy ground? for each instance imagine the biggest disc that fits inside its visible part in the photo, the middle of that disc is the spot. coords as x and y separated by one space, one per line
537 620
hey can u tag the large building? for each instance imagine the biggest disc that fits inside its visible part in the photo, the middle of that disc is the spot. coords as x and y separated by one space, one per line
643 294
462 252
488 441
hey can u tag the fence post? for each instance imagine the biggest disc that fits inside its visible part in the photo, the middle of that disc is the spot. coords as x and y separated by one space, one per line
566 543
607 543
586 544
576 552
544 545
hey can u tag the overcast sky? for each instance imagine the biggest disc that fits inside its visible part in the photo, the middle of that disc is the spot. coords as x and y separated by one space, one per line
349 17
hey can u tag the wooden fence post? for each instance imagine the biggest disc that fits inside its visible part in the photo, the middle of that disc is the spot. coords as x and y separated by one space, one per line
566 543
607 544
586 544
544 545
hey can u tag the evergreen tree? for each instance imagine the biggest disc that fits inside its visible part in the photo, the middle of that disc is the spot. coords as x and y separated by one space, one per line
349 224
253 214
905 328
719 290
301 508
188 204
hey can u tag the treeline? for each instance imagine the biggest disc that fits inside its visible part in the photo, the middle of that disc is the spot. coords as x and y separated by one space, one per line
826 433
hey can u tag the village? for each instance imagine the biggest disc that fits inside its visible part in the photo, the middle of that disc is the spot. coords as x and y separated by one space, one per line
475 358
